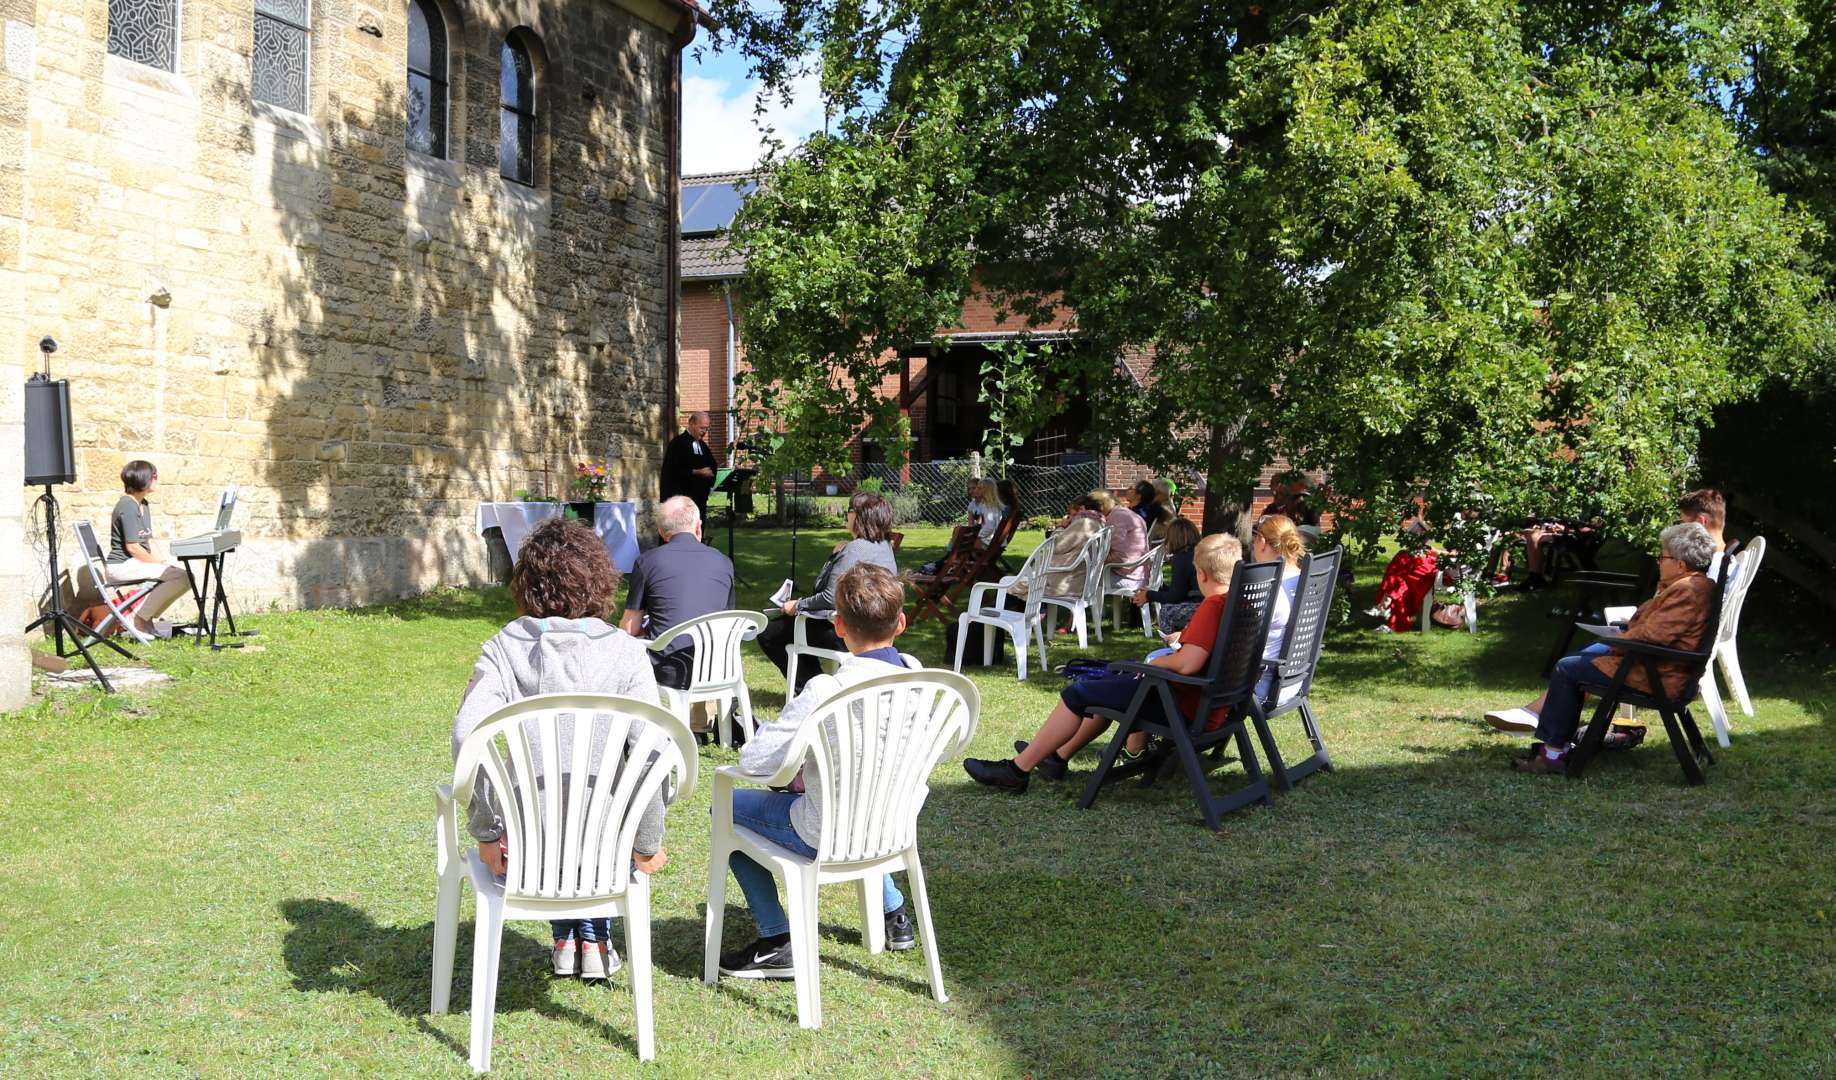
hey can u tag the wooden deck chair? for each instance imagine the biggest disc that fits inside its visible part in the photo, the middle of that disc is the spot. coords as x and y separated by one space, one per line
940 593
1228 682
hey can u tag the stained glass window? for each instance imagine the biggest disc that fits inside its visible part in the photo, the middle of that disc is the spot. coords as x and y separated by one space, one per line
516 135
426 78
144 31
283 52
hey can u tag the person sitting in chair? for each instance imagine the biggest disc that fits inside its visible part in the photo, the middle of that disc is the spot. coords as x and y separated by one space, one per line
1709 508
1150 509
678 580
991 503
1180 598
563 584
130 550
1674 618
870 519
1070 726
869 615
1128 539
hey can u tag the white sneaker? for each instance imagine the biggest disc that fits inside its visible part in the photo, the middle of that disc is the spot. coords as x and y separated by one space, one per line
162 629
1518 719
567 962
598 960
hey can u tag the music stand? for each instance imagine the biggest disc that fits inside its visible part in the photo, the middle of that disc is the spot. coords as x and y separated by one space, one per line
728 481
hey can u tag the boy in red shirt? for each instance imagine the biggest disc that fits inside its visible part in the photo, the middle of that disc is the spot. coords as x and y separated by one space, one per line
1070 726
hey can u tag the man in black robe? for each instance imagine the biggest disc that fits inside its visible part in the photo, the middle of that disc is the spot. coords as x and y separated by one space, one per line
688 464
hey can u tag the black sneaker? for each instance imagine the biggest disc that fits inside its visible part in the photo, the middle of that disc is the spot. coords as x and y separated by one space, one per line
1051 767
899 933
766 958
1004 775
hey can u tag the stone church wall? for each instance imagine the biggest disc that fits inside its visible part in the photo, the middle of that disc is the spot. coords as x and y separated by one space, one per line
367 339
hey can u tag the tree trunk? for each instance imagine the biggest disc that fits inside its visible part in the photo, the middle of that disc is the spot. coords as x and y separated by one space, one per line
1228 499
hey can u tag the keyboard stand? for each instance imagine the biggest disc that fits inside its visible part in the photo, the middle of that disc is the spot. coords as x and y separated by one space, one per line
218 605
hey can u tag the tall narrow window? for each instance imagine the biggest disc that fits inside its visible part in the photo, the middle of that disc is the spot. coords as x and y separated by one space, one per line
426 78
516 137
144 31
283 48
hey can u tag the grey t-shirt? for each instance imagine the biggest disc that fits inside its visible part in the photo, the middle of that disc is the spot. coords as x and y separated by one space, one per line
131 523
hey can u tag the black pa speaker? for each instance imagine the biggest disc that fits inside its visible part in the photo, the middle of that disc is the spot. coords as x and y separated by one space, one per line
49 456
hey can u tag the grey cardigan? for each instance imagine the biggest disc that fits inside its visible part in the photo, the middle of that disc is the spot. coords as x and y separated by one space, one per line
877 552
554 656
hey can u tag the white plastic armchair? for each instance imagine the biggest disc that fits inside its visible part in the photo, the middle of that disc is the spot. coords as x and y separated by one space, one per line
1151 565
800 647
1727 653
121 597
868 751
987 607
718 674
1086 607
569 839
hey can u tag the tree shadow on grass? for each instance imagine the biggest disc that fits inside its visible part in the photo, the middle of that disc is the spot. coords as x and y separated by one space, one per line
1416 886
332 947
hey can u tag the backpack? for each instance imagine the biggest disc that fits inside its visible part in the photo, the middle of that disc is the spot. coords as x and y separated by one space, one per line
1081 666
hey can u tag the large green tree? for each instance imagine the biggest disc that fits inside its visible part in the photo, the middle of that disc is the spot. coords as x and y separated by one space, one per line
1496 256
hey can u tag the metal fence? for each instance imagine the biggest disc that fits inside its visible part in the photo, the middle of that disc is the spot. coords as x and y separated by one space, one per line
937 492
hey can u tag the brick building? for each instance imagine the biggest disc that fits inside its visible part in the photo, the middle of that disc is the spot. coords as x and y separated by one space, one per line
372 261
940 389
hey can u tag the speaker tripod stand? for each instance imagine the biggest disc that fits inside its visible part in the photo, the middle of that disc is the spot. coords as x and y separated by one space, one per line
59 621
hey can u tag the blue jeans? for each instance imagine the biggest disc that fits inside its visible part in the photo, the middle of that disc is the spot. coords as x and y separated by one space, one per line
1568 685
768 814
587 931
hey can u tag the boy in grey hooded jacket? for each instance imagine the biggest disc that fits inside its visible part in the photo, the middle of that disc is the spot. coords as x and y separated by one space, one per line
561 574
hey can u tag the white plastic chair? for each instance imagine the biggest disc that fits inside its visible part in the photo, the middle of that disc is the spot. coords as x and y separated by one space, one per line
994 613
1086 607
1153 562
121 597
800 647
718 674
570 843
869 750
1727 654
1469 601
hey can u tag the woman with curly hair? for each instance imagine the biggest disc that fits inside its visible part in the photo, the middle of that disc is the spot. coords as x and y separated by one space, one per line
560 643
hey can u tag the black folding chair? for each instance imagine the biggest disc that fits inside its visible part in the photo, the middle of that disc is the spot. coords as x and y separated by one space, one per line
1685 738
1229 682
1292 687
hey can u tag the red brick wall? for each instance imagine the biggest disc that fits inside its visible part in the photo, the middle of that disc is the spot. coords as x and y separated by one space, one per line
701 378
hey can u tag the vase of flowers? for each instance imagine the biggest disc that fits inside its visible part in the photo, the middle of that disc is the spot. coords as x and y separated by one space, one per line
588 487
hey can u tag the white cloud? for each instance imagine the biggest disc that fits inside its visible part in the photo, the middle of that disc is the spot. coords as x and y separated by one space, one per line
720 132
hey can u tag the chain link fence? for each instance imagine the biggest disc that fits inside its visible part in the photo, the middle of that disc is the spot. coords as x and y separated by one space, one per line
937 492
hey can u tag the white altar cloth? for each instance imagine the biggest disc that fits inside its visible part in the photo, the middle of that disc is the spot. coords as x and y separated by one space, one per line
615 522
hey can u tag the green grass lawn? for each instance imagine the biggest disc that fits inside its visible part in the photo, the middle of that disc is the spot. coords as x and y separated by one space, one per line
233 876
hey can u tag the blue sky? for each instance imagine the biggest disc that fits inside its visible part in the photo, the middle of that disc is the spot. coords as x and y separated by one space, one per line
719 131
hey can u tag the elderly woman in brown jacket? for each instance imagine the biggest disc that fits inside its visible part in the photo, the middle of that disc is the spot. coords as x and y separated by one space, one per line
1676 617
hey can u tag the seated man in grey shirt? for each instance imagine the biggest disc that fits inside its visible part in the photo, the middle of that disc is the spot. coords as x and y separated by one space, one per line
678 580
